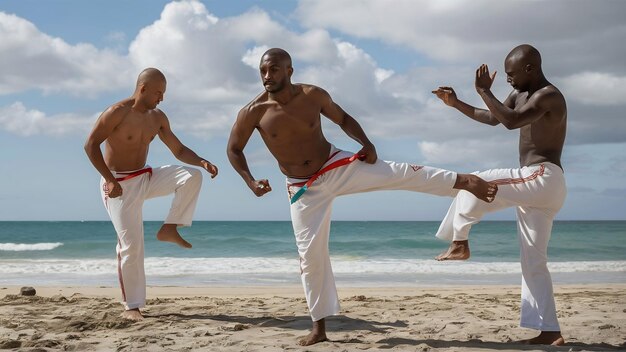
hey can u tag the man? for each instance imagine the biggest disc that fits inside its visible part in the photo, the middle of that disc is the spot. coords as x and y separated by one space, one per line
128 127
537 108
288 118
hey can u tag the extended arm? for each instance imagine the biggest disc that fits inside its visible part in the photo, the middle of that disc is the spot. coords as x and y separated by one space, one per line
448 96
349 125
239 135
182 152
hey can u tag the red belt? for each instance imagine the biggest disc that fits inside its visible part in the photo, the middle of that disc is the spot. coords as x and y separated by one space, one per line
335 164
133 174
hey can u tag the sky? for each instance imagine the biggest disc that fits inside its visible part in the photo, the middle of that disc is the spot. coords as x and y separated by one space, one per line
64 62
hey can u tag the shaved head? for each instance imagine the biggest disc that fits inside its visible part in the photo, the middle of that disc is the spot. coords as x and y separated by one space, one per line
150 89
149 75
279 54
525 54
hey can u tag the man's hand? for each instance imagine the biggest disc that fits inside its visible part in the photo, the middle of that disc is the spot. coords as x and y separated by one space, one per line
483 79
260 187
210 168
447 95
112 189
368 154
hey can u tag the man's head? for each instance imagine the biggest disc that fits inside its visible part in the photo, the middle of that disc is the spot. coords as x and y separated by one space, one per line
151 86
523 67
275 69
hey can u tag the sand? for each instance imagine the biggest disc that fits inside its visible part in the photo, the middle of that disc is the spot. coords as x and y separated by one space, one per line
462 318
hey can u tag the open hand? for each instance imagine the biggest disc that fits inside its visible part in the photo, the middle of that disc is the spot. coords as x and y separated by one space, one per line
446 94
483 79
260 187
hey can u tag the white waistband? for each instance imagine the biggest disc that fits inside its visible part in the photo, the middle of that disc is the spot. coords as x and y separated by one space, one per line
115 173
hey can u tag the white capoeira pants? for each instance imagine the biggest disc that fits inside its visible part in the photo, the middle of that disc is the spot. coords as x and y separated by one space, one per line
538 192
126 214
311 215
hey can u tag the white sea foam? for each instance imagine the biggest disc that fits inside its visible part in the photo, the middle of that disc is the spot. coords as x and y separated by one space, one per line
165 266
19 247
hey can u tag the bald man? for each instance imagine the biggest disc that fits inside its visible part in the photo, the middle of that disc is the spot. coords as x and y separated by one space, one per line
127 128
287 117
537 189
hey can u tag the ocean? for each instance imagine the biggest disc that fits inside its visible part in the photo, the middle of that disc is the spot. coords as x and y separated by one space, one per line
250 253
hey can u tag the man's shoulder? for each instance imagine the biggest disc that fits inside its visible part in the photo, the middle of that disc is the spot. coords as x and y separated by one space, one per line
310 89
549 90
551 95
121 108
314 94
158 113
256 105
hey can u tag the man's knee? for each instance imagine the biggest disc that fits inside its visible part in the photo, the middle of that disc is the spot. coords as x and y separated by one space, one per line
130 252
129 243
195 176
469 206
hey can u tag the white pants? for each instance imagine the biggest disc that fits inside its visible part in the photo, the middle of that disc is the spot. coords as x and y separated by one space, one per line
310 216
538 192
126 214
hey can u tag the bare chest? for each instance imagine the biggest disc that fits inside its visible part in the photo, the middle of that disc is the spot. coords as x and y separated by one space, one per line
135 130
281 124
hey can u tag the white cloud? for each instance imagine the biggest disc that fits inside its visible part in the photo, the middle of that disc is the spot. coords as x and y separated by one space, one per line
211 63
472 154
595 88
382 74
252 57
30 59
481 30
17 119
450 39
431 27
207 61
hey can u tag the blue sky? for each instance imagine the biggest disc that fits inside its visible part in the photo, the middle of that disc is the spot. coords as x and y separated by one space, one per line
63 62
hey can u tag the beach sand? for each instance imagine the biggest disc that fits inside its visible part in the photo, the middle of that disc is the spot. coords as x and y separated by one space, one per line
461 318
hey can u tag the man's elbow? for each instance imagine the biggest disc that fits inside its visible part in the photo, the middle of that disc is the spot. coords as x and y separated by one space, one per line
233 152
233 146
179 152
509 125
89 146
510 122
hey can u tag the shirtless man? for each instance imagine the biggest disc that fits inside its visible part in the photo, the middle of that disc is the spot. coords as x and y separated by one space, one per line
537 108
128 127
288 118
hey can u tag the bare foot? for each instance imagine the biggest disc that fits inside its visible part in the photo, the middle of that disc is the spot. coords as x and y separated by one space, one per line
169 233
317 334
458 250
553 338
132 314
483 190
